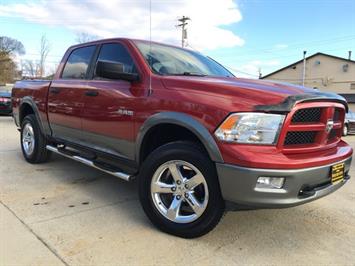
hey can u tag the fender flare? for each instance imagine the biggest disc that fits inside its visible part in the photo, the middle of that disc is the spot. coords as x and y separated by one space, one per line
185 121
29 100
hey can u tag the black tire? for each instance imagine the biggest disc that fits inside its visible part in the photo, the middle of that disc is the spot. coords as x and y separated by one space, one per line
40 154
193 154
345 130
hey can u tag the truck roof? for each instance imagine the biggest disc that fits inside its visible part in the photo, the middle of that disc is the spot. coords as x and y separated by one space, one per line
119 39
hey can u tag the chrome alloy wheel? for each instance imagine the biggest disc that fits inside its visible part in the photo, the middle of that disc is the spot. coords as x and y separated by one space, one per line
179 191
28 139
345 130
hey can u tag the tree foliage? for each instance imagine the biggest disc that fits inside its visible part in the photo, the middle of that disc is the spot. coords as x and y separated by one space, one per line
9 47
83 37
37 68
45 47
30 68
8 70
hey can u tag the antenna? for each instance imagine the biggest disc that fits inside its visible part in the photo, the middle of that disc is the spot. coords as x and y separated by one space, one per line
150 46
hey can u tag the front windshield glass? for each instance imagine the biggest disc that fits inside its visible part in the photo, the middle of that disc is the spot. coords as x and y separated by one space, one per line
169 60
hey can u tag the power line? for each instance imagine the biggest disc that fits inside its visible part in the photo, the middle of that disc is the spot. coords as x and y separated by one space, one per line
243 72
275 57
292 45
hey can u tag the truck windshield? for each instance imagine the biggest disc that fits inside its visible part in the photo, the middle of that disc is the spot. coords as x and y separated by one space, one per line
169 60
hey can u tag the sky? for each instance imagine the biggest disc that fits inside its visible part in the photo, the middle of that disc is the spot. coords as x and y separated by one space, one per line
247 36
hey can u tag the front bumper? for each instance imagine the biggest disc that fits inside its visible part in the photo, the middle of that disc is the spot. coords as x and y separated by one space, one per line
301 185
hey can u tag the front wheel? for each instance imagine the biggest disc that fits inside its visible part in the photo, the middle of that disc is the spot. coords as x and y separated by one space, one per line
179 190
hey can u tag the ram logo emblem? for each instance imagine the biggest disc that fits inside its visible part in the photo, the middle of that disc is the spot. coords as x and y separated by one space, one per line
329 126
122 111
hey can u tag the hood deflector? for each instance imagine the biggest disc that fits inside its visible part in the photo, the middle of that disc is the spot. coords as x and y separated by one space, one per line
292 100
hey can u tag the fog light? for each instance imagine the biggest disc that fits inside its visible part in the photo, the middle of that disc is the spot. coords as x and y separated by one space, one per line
270 182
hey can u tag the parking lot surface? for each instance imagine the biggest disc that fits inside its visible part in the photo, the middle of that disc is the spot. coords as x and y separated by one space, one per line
65 213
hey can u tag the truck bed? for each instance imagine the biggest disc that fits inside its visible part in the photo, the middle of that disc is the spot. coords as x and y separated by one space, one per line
35 91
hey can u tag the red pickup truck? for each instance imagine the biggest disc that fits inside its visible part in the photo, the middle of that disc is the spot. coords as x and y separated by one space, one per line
197 138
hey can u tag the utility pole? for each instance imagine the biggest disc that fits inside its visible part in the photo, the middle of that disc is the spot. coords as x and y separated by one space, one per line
260 74
183 24
304 68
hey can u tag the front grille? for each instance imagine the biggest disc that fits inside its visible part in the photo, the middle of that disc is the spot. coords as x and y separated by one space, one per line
307 115
307 126
300 137
332 134
336 116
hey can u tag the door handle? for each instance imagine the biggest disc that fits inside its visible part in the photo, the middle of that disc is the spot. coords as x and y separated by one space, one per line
91 93
54 90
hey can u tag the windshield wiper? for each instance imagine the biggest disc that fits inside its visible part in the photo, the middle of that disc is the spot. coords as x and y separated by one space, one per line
189 74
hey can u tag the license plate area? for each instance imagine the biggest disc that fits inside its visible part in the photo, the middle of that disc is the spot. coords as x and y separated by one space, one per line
337 172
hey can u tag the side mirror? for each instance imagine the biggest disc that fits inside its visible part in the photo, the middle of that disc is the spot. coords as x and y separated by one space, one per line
114 70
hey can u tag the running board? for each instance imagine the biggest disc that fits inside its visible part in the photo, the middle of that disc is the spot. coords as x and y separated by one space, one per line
90 163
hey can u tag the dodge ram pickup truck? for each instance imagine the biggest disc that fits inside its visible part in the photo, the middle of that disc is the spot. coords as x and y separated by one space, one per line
197 138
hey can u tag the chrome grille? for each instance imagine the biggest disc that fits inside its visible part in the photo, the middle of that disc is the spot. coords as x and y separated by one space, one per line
336 116
332 134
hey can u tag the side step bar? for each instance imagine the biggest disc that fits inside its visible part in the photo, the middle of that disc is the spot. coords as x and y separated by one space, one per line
90 163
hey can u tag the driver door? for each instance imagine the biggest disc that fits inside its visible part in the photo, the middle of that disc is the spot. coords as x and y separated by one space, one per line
109 106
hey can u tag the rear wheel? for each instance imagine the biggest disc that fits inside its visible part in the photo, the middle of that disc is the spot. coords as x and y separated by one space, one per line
33 143
179 190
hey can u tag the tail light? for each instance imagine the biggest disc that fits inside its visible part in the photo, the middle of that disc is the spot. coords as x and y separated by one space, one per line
4 100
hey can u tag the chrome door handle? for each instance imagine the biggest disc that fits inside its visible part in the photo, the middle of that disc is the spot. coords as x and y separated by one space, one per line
54 90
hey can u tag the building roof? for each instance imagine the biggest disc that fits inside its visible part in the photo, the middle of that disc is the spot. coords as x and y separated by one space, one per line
295 63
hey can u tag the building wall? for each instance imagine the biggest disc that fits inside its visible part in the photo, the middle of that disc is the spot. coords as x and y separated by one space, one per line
351 107
324 73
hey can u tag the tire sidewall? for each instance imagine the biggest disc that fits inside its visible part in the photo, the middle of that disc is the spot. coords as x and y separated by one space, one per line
30 119
193 155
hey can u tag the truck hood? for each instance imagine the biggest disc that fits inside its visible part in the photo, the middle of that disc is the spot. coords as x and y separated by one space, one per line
263 95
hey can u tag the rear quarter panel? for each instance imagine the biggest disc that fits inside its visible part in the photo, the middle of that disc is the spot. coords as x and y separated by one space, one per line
34 90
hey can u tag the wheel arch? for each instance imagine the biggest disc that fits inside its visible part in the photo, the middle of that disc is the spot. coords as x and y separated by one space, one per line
184 122
28 106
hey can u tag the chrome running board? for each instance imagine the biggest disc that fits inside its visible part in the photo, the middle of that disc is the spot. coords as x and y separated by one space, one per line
90 163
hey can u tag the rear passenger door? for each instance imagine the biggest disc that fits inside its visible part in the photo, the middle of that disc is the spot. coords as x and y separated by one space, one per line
108 114
66 95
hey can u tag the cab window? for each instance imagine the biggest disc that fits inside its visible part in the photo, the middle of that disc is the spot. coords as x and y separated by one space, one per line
117 53
78 63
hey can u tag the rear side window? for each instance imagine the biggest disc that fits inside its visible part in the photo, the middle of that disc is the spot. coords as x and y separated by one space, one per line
117 53
78 63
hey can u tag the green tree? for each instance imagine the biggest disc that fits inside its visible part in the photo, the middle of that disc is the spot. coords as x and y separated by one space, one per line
9 48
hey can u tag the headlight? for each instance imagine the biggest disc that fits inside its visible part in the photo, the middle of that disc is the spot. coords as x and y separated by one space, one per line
253 128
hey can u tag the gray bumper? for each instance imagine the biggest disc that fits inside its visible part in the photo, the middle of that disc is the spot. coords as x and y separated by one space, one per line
301 185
